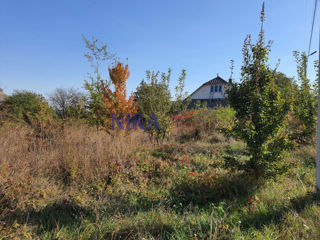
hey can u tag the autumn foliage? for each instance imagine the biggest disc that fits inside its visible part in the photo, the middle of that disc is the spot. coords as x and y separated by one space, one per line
116 101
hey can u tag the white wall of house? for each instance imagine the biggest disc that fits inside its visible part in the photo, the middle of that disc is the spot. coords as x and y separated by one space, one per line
205 93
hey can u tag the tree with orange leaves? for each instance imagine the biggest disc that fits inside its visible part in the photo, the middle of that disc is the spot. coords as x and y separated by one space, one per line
116 101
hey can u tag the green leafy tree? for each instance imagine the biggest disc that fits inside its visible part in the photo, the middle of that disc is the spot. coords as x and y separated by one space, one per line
154 97
98 57
315 83
260 111
29 106
286 86
182 101
305 104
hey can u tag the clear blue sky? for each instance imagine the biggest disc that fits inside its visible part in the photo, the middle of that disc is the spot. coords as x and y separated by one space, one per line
41 47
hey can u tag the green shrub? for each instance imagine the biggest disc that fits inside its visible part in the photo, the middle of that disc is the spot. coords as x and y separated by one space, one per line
261 113
305 102
97 56
28 105
154 97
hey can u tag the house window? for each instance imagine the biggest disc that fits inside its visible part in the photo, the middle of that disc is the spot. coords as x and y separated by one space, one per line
211 88
220 88
216 88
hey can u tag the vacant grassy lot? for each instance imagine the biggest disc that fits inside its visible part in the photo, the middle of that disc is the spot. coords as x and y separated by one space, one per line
73 182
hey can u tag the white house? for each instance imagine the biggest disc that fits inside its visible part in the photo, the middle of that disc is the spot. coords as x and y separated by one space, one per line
212 92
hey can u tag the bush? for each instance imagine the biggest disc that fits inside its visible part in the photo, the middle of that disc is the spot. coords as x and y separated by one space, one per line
219 119
305 102
28 105
154 98
261 113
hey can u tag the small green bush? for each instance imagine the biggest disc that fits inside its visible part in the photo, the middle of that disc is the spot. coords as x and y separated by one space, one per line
154 97
29 105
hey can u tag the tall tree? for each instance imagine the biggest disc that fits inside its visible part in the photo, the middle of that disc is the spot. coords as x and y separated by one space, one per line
305 104
181 102
261 113
116 101
98 57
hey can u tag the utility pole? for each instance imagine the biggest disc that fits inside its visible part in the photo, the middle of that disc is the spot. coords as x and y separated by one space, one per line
318 119
318 131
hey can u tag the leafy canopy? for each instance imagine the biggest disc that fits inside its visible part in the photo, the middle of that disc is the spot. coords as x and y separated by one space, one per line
25 104
98 57
154 97
261 113
116 101
305 101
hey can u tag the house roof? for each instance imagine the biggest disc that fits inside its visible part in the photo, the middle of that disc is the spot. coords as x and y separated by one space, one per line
216 81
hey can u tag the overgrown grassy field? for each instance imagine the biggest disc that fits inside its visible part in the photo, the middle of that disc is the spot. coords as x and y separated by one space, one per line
73 182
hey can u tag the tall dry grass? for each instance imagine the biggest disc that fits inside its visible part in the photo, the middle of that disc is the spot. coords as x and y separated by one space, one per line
37 166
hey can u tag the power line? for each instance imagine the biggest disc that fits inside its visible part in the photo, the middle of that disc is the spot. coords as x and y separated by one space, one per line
312 27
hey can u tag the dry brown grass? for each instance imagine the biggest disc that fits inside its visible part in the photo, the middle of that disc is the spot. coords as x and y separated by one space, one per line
37 168
73 182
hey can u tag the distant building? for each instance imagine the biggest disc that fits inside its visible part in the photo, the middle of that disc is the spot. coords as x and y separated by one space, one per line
212 92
